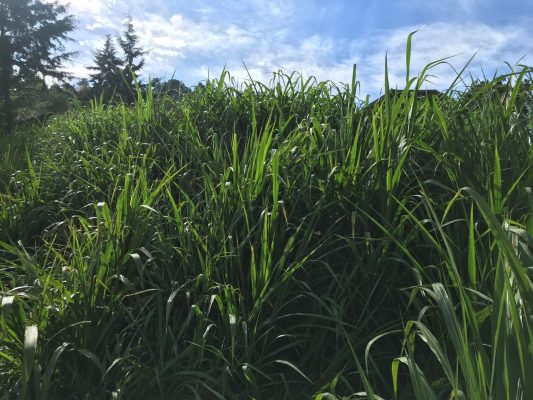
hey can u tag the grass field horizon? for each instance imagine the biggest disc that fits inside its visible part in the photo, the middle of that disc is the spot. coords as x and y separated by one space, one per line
270 241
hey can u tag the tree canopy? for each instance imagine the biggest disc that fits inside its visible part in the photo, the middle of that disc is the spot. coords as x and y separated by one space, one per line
128 43
31 45
133 57
115 75
107 77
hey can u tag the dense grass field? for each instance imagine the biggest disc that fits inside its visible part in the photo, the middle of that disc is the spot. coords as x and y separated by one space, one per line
281 241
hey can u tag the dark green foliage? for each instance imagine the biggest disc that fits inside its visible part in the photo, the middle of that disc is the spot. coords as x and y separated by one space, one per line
173 88
115 76
268 242
31 43
128 43
133 60
107 78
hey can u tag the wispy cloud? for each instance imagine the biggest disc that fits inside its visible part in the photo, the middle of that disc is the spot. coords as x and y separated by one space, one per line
194 38
86 7
455 42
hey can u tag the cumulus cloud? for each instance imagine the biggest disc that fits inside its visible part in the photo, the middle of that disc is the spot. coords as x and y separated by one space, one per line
191 41
329 59
86 7
215 44
457 43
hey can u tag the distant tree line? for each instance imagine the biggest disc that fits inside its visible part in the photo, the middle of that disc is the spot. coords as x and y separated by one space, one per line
31 48
32 83
32 34
116 78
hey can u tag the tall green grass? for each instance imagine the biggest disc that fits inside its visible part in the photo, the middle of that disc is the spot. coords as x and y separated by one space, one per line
274 241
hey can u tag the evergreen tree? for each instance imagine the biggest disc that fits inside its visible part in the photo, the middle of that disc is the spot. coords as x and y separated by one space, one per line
176 89
84 90
133 58
108 76
31 43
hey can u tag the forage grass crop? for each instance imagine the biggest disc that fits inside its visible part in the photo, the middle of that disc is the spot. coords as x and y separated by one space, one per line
282 240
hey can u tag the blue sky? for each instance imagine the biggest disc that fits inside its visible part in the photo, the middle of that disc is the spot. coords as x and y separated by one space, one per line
193 38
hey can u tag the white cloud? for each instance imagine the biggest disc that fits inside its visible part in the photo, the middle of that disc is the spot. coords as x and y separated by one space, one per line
180 37
84 7
493 46
165 52
102 22
327 59
266 39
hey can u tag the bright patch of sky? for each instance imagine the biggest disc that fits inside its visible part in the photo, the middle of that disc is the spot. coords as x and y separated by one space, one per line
191 39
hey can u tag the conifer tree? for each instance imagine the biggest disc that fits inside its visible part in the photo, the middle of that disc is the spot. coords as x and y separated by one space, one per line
108 66
31 44
133 58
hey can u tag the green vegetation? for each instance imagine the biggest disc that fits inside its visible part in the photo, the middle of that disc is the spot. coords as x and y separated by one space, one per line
115 78
31 48
272 242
